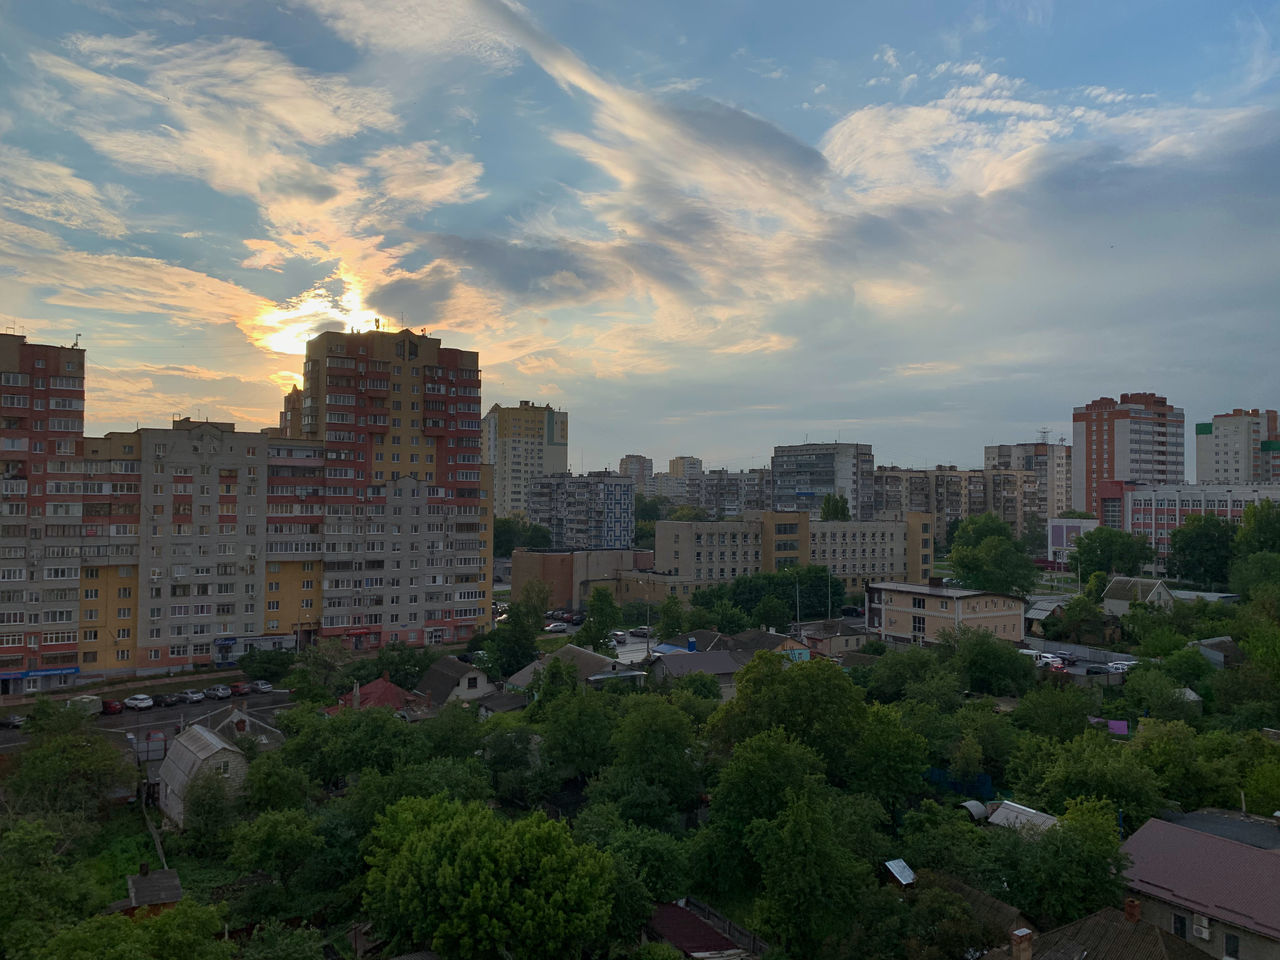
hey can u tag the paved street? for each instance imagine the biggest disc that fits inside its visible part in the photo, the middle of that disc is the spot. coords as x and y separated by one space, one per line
139 722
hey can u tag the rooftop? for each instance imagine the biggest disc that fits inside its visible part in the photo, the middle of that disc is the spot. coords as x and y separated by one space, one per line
1107 935
1224 879
932 591
1260 832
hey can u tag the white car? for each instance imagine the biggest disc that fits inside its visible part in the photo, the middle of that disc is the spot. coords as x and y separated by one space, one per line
139 701
558 627
618 636
1121 666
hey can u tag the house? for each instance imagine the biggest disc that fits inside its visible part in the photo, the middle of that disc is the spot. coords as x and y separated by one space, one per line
150 891
492 703
195 752
1109 934
999 920
720 664
232 722
1122 591
380 692
593 668
1038 610
452 679
1216 892
1016 817
833 638
694 936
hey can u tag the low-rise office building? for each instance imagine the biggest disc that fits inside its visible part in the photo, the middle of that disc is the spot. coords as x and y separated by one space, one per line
918 612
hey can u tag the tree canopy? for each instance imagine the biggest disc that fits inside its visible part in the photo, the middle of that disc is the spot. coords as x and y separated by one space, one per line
1107 550
835 507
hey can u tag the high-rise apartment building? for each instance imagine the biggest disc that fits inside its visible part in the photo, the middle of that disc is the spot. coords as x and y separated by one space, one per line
950 494
41 505
399 417
364 518
523 443
685 467
1138 438
1051 464
1242 446
640 469
804 474
595 511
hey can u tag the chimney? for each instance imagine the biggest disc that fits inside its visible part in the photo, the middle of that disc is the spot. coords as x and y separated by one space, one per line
1132 909
144 868
1020 944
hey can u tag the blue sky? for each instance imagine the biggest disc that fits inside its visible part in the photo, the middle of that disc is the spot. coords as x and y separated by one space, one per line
701 228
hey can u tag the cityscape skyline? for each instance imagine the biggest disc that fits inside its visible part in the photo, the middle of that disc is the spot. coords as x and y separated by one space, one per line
928 228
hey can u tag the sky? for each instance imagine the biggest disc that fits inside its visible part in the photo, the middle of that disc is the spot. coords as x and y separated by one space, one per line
701 228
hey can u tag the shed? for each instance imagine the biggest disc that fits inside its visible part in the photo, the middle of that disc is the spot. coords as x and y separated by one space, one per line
1016 816
196 751
150 891
977 809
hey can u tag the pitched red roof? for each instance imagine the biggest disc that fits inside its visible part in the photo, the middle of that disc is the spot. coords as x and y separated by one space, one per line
1229 881
376 693
686 931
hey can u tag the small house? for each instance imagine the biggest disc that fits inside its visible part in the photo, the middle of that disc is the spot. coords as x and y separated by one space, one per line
150 891
452 679
1017 817
380 692
593 669
1122 591
195 752
719 664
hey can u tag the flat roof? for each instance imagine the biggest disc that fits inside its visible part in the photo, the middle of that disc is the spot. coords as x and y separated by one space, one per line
951 592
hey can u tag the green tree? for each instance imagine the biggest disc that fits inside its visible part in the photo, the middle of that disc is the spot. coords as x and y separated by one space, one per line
986 664
646 535
996 564
835 507
1260 529
578 733
1081 622
1074 868
270 665
1095 586
1036 538
803 911
650 508
603 614
66 769
274 784
1254 570
278 842
209 814
1060 713
728 618
1076 515
1200 550
473 886
186 930
688 514
1110 551
653 775
40 887
318 672
773 613
670 618
274 941
973 531
512 532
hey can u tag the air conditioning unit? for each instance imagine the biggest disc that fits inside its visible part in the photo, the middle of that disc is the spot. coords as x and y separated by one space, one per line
1200 927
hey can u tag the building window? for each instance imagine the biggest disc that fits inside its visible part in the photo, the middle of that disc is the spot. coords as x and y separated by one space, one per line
917 603
473 683
1231 947
917 624
1180 926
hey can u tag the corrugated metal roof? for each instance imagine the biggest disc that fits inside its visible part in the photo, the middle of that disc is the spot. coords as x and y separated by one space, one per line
901 872
1015 815
588 662
1106 935
718 663
1223 879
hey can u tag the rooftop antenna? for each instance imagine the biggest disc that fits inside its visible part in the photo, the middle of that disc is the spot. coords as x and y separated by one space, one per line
1043 435
76 345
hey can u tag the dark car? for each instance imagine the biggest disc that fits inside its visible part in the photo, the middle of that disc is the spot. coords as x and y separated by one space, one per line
13 721
112 706
241 688
1095 669
577 619
167 699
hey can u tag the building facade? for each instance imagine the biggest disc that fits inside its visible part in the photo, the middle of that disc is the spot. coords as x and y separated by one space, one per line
523 443
1242 446
918 612
685 467
1138 438
594 511
951 494
640 469
804 474
159 549
1051 464
1153 512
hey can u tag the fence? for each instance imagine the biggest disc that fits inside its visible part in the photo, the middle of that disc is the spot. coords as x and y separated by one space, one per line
743 938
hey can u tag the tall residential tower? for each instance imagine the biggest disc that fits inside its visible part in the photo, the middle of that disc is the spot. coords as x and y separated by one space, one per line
523 443
1138 438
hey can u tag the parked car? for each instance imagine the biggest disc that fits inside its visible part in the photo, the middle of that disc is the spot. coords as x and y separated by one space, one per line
618 636
13 721
1068 658
167 699
190 696
1094 669
260 686
219 691
640 631
1121 666
112 706
577 619
556 626
240 688
139 701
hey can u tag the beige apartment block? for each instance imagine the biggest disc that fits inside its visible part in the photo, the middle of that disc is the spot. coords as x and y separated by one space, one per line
1050 462
953 494
918 612
523 443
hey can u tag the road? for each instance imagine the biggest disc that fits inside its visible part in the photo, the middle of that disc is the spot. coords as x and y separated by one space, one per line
138 722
